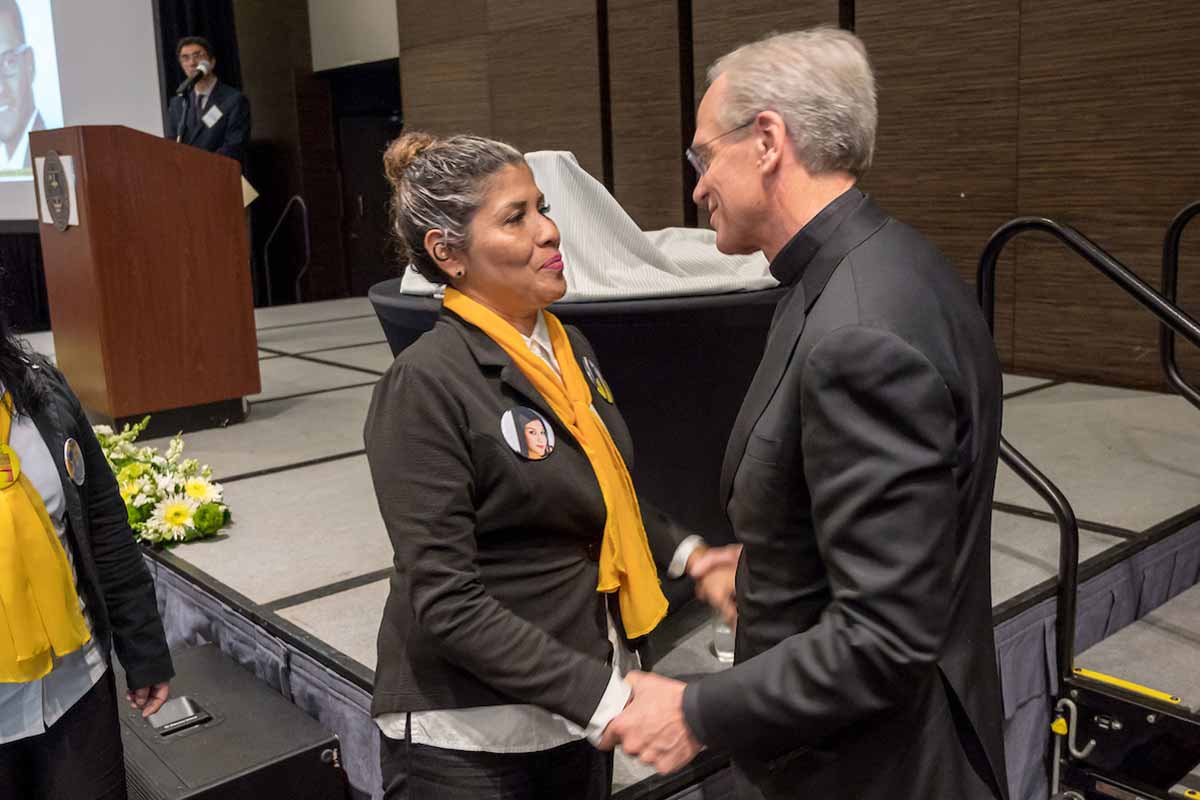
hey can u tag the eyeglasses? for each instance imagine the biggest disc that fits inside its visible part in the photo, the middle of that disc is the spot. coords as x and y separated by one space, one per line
10 61
696 155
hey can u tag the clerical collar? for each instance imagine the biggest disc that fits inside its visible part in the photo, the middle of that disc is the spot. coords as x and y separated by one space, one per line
790 262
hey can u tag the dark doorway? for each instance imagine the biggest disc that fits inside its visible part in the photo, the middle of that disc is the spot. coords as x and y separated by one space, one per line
370 254
23 300
366 107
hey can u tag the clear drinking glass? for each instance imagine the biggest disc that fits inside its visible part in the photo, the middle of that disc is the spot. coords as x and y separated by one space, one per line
722 640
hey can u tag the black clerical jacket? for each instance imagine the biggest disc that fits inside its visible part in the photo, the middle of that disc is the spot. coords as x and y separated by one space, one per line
859 478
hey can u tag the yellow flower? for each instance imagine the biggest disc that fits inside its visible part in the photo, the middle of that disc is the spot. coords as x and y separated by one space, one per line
130 490
131 472
177 514
173 516
202 490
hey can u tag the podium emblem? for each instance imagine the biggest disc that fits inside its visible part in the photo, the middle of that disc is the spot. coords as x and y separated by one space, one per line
54 187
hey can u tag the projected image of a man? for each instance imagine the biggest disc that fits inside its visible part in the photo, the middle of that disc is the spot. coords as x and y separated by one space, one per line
18 112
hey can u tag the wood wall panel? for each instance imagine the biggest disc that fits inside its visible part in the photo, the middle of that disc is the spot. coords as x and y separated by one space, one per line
444 87
1110 143
507 15
988 109
647 131
426 22
545 83
946 161
504 68
719 26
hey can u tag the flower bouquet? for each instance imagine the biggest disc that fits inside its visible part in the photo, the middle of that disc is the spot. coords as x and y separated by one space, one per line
168 498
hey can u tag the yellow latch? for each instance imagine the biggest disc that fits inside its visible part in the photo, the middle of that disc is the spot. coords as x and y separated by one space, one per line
1059 726
1128 686
1191 793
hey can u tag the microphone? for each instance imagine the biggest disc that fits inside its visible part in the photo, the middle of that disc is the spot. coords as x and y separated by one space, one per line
202 71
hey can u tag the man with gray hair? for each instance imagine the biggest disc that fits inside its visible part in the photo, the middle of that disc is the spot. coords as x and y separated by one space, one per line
859 473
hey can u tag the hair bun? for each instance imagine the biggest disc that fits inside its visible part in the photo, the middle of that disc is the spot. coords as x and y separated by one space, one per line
403 151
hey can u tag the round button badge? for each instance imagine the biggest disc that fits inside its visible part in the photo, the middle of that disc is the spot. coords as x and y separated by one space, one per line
73 458
527 432
597 380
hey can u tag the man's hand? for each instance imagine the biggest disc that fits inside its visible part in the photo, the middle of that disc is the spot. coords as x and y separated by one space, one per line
652 727
714 569
149 698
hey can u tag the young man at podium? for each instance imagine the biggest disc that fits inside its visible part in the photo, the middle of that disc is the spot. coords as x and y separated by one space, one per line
206 113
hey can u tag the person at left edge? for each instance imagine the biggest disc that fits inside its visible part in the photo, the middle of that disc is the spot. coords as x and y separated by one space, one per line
523 577
65 535
213 116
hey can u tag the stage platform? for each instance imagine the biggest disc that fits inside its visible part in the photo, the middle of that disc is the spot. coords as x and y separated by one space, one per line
306 562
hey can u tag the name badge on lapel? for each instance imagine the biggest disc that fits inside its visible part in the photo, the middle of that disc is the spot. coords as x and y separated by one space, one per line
597 380
212 116
528 433
73 458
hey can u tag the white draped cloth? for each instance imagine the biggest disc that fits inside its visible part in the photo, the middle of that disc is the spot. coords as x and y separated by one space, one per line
608 257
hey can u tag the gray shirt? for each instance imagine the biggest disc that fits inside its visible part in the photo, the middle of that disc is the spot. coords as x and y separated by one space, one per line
28 709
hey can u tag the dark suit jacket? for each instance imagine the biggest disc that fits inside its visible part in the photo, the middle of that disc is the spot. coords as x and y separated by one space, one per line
859 478
112 576
227 137
493 599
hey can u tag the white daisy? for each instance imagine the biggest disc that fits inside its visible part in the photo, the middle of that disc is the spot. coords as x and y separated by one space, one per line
173 516
202 490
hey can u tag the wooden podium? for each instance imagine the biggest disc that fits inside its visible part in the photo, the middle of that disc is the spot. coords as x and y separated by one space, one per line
150 298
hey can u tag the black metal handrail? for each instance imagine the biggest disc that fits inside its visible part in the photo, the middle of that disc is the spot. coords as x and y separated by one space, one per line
294 200
1170 288
1168 314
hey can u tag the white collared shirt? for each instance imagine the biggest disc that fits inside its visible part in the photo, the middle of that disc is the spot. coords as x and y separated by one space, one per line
523 728
202 98
28 709
540 344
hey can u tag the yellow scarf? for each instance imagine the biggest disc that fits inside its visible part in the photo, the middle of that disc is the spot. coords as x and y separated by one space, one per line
626 564
39 608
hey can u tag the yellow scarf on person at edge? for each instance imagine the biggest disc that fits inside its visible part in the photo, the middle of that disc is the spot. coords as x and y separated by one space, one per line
40 616
626 564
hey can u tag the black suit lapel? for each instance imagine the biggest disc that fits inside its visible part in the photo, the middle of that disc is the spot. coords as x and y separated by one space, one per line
491 355
515 379
787 327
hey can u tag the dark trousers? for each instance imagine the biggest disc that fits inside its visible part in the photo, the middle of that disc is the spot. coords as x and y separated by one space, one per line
575 771
78 758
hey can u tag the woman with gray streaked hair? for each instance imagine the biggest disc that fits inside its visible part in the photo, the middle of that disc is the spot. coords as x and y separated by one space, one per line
525 566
